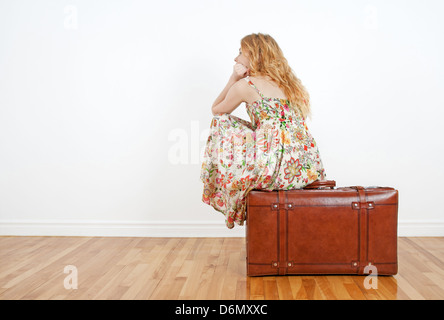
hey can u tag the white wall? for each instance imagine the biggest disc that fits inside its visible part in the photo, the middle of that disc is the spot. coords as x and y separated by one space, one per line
95 97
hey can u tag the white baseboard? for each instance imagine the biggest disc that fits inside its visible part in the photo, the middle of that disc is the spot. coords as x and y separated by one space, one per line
118 228
408 228
421 228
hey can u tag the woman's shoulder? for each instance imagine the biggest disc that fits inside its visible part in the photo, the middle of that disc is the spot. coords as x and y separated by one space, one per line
261 78
245 89
268 87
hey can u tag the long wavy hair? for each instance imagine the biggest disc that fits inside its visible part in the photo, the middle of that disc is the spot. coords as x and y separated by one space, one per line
266 59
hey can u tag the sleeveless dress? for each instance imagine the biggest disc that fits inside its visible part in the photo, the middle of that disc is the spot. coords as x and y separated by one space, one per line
275 151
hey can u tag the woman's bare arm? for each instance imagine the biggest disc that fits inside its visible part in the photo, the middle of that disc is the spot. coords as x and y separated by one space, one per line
224 92
231 96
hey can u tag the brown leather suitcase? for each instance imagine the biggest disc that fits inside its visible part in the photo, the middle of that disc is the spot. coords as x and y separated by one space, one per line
322 229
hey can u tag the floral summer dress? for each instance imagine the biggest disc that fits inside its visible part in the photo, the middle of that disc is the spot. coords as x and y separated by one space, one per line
275 151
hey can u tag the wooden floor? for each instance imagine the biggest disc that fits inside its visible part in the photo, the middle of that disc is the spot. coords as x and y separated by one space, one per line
193 268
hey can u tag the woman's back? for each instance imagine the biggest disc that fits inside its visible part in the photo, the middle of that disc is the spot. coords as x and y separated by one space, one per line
268 88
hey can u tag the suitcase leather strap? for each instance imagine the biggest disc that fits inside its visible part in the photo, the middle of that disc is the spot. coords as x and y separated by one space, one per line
363 206
284 206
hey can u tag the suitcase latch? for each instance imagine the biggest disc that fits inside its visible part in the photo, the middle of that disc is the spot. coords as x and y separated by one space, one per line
287 206
363 205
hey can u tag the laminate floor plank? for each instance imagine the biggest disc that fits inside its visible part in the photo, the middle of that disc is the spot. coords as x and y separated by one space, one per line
195 268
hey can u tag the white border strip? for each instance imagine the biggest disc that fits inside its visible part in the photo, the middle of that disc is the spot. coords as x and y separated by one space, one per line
99 228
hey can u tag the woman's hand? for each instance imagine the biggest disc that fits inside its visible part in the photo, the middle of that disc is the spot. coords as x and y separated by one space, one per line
240 71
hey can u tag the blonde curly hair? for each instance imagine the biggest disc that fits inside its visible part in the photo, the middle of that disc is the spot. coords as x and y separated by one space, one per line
266 59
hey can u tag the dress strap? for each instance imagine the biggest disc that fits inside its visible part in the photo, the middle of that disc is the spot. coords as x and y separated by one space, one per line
247 78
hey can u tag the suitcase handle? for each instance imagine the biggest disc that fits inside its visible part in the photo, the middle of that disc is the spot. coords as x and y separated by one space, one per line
318 184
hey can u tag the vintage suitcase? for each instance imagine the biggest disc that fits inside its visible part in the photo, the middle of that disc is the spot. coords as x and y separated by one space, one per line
322 229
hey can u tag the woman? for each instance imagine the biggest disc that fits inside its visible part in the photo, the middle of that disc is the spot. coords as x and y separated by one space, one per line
273 152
